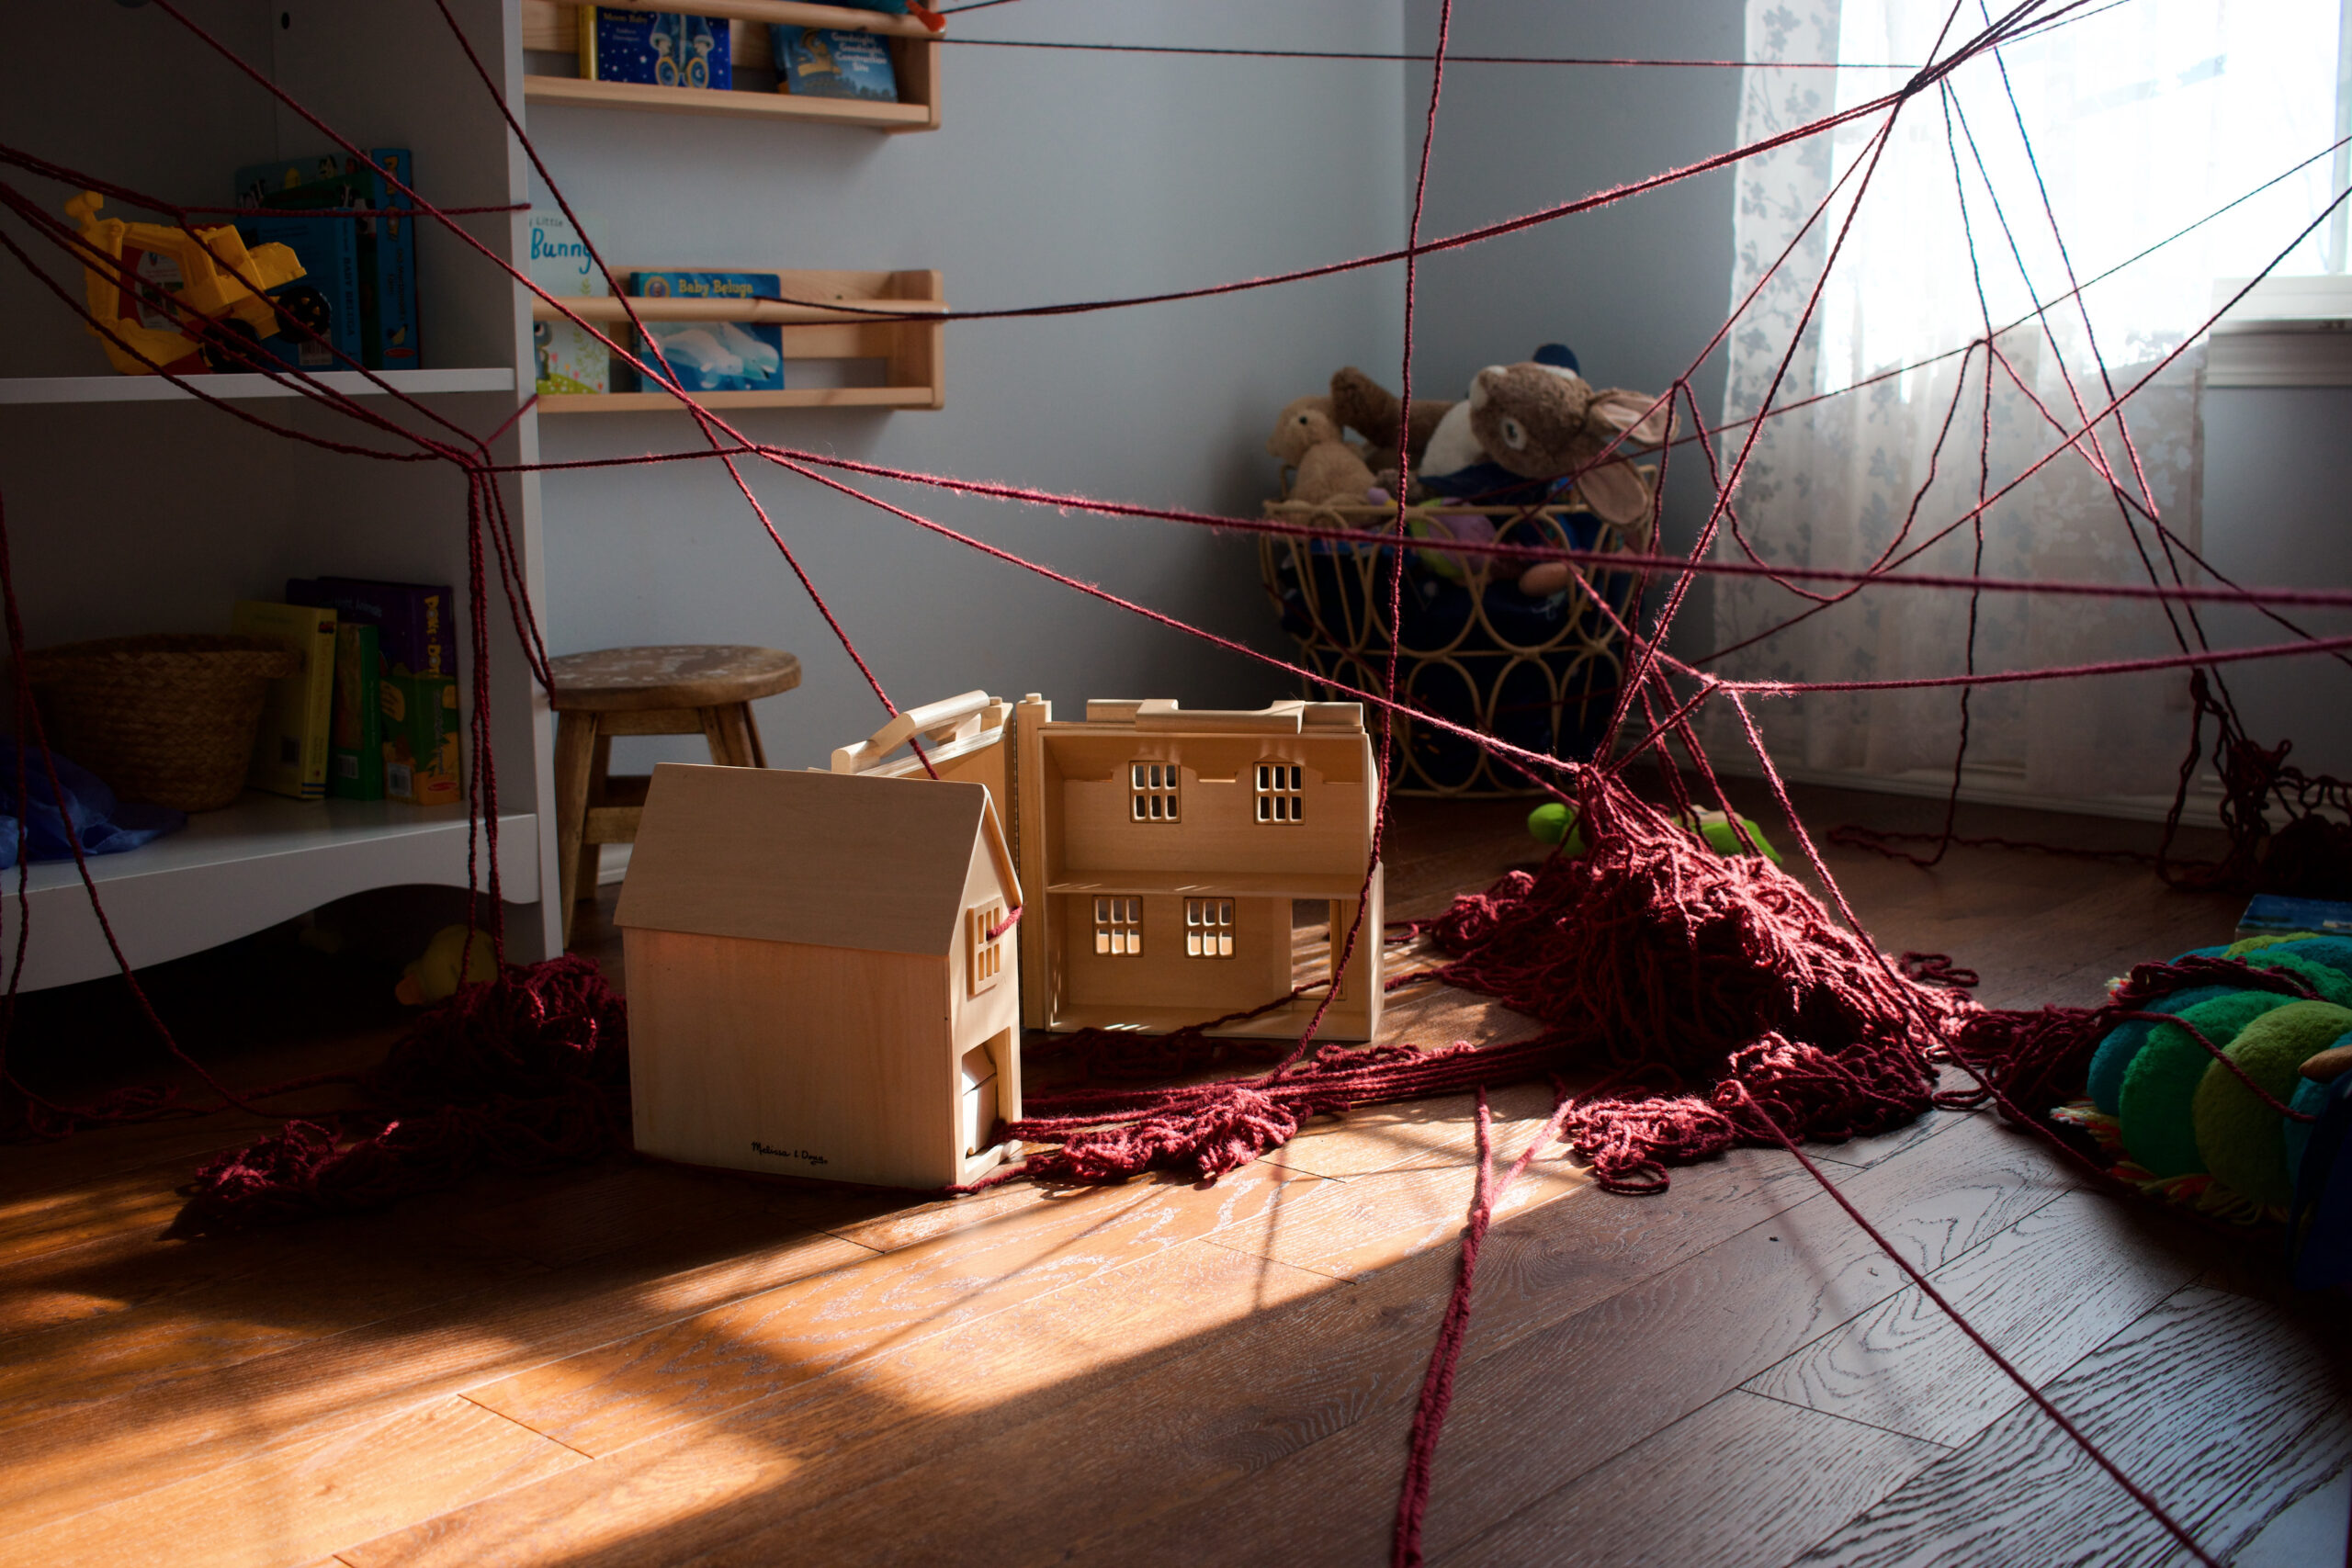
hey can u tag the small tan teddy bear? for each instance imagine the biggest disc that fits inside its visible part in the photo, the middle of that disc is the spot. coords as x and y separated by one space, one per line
1309 439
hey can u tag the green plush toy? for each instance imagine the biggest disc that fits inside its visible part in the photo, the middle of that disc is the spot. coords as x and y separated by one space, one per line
2241 1139
1554 822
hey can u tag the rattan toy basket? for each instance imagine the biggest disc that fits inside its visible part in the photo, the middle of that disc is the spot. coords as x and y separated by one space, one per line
1541 674
167 718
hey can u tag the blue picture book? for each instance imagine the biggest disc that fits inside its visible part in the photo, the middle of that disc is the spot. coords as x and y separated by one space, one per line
714 356
393 338
830 63
662 49
371 261
2271 914
323 305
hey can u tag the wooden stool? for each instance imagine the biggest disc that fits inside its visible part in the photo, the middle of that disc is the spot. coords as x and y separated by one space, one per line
686 690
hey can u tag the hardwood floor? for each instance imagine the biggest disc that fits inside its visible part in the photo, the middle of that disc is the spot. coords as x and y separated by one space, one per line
643 1364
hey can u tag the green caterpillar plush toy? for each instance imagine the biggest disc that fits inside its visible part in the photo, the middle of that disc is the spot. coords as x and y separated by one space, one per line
2184 1120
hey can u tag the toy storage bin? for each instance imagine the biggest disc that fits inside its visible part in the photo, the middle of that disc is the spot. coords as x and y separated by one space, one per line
1540 674
166 719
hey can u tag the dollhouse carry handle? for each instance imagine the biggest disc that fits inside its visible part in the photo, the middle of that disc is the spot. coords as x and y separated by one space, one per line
937 720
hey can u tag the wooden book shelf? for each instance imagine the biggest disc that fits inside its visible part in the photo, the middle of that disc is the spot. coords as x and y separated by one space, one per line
914 56
907 341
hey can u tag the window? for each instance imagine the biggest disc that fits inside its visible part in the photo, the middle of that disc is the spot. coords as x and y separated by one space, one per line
1208 927
1154 788
1282 792
987 945
1118 927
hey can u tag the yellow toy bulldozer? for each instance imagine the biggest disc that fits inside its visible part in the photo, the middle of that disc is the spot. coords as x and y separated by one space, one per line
174 296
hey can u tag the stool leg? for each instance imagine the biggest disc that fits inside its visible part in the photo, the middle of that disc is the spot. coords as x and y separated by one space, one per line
600 764
736 719
751 732
723 729
575 753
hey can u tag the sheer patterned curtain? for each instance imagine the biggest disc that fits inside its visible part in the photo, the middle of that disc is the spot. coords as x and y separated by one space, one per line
2135 120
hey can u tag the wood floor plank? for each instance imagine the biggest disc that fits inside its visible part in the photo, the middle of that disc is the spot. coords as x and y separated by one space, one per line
697 1488
1861 1154
1376 1221
1421 1133
123 1270
2308 1532
1103 1356
1740 1483
890 1225
67 1464
572 1216
1230 1424
699 1366
54 1166
2058 1283
70 1372
288 1507
1538 1403
142 1199
2218 1406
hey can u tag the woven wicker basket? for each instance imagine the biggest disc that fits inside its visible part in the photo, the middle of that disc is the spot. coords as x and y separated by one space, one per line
166 719
1543 675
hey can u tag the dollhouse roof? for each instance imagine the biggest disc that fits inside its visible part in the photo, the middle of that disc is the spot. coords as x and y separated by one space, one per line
827 860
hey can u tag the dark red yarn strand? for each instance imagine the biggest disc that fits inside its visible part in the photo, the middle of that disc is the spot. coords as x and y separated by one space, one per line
1384 762
1437 1383
1895 1023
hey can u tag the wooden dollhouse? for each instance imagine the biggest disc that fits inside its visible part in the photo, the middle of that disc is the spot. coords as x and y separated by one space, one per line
1165 850
821 975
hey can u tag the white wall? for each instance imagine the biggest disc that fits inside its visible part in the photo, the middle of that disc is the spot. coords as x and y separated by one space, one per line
2278 476
1054 178
1635 288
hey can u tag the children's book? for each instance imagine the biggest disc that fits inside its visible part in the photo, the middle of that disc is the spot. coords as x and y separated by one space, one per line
570 358
411 618
355 730
323 305
373 259
714 356
394 337
420 746
417 688
2272 914
832 63
290 748
662 49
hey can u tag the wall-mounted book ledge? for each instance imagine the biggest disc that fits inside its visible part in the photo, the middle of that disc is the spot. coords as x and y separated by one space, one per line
906 342
914 58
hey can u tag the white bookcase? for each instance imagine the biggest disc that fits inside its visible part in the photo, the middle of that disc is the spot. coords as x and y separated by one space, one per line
133 507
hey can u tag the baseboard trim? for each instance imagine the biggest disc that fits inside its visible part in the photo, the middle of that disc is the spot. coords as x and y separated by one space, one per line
1995 786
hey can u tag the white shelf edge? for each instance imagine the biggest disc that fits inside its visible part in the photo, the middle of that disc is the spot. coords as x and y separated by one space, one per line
235 872
154 389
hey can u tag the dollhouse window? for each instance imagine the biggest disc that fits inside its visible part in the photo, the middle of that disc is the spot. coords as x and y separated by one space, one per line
1118 927
1282 792
1208 927
1153 787
987 946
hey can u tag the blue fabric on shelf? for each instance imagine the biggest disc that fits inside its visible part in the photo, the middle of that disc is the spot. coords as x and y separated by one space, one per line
104 824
